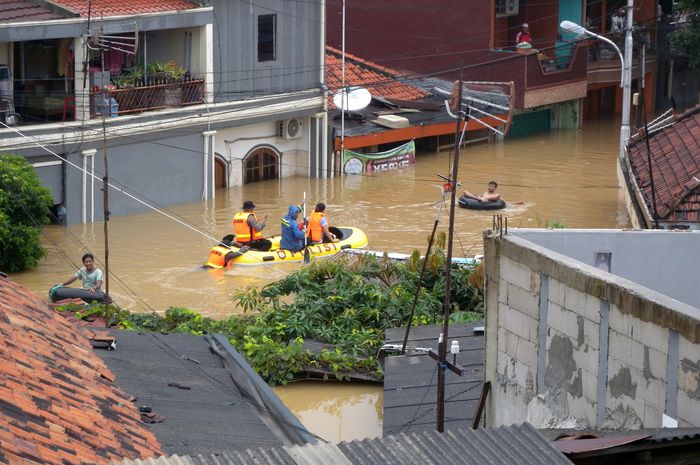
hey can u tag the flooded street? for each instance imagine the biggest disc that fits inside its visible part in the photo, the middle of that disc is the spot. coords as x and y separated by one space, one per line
566 176
336 411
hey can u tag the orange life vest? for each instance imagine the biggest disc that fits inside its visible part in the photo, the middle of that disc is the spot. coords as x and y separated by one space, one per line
217 257
244 233
314 230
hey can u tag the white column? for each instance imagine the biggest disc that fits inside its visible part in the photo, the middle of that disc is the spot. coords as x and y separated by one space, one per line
206 59
82 92
208 164
90 153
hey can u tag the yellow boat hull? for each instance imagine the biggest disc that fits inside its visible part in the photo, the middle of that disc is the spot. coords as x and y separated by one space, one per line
350 238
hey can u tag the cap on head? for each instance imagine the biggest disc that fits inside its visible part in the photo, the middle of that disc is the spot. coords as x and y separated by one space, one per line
248 205
525 26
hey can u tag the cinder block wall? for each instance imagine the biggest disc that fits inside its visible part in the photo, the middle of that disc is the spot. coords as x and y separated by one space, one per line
568 345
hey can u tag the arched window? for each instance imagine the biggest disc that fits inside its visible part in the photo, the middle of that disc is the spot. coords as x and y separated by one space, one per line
260 165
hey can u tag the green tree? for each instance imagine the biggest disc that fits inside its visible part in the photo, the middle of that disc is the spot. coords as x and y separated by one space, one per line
24 207
688 38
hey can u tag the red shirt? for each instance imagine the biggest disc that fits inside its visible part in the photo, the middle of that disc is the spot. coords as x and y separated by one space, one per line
523 37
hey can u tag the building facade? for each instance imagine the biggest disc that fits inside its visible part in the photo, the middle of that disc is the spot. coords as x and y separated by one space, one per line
215 94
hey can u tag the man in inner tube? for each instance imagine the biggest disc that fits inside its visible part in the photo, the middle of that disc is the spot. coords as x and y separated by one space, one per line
248 229
489 196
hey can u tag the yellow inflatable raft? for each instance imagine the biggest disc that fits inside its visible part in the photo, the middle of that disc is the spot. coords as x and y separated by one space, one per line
221 256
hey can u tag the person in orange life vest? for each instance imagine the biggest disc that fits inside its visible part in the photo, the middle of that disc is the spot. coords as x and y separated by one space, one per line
317 230
524 35
247 228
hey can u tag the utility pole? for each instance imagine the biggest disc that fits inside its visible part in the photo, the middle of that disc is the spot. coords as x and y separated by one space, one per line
105 186
442 343
626 81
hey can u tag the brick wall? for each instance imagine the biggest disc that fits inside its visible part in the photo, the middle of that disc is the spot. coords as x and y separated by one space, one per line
568 345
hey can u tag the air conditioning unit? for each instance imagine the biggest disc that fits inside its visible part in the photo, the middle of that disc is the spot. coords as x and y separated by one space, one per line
511 7
289 129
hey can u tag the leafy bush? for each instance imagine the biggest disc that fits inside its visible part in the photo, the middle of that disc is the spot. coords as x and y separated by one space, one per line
24 207
346 303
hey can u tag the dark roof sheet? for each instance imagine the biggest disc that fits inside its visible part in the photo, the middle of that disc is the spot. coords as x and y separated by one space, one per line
19 11
410 384
57 402
505 445
675 159
211 416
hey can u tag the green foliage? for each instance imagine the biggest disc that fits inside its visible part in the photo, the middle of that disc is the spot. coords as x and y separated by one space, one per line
688 38
344 303
24 207
550 224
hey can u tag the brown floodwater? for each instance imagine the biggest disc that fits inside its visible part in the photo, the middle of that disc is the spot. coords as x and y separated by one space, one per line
336 411
567 176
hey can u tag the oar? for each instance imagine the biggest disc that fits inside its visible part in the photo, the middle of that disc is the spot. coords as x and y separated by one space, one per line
307 254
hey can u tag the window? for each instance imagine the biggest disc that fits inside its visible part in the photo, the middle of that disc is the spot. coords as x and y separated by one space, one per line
267 37
261 165
507 7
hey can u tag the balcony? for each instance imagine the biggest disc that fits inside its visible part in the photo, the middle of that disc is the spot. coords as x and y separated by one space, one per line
539 78
141 98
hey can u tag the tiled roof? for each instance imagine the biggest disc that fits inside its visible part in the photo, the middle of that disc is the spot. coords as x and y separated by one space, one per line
380 81
57 402
108 8
675 159
18 11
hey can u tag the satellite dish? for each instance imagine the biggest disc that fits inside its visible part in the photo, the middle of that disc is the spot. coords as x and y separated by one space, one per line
355 98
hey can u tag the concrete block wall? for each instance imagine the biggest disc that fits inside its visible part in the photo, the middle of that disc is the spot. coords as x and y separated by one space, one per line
569 345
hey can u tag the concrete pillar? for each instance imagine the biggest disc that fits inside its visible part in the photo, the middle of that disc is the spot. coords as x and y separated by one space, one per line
208 165
88 173
82 92
206 59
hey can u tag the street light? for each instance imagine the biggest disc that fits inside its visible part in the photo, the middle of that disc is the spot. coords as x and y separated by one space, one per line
626 75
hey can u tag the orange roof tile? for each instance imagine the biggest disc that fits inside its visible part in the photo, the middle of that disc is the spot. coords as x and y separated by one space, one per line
56 405
675 159
107 8
379 80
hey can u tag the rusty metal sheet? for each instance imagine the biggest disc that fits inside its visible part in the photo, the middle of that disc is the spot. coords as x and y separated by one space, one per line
570 445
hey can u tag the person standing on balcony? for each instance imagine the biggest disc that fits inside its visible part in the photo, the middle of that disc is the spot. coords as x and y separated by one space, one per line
523 36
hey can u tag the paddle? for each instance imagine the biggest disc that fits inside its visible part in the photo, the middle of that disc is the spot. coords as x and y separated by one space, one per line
307 254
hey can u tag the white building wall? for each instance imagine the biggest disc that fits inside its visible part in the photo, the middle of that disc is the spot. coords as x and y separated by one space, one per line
236 143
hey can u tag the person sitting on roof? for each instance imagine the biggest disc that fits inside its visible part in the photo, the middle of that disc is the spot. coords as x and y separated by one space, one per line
90 275
292 232
248 229
317 230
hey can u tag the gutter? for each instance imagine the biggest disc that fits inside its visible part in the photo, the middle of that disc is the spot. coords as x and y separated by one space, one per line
257 392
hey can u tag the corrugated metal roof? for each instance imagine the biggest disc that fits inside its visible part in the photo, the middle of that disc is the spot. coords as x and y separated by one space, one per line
503 445
496 446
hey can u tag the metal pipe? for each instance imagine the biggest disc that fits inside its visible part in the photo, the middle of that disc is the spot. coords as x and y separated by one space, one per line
343 91
627 81
84 206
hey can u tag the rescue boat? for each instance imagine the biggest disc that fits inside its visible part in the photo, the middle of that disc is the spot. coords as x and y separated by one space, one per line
222 256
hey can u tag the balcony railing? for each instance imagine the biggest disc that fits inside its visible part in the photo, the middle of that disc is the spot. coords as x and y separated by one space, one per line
532 70
138 99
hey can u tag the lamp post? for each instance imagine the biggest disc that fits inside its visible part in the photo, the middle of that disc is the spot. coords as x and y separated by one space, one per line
626 62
